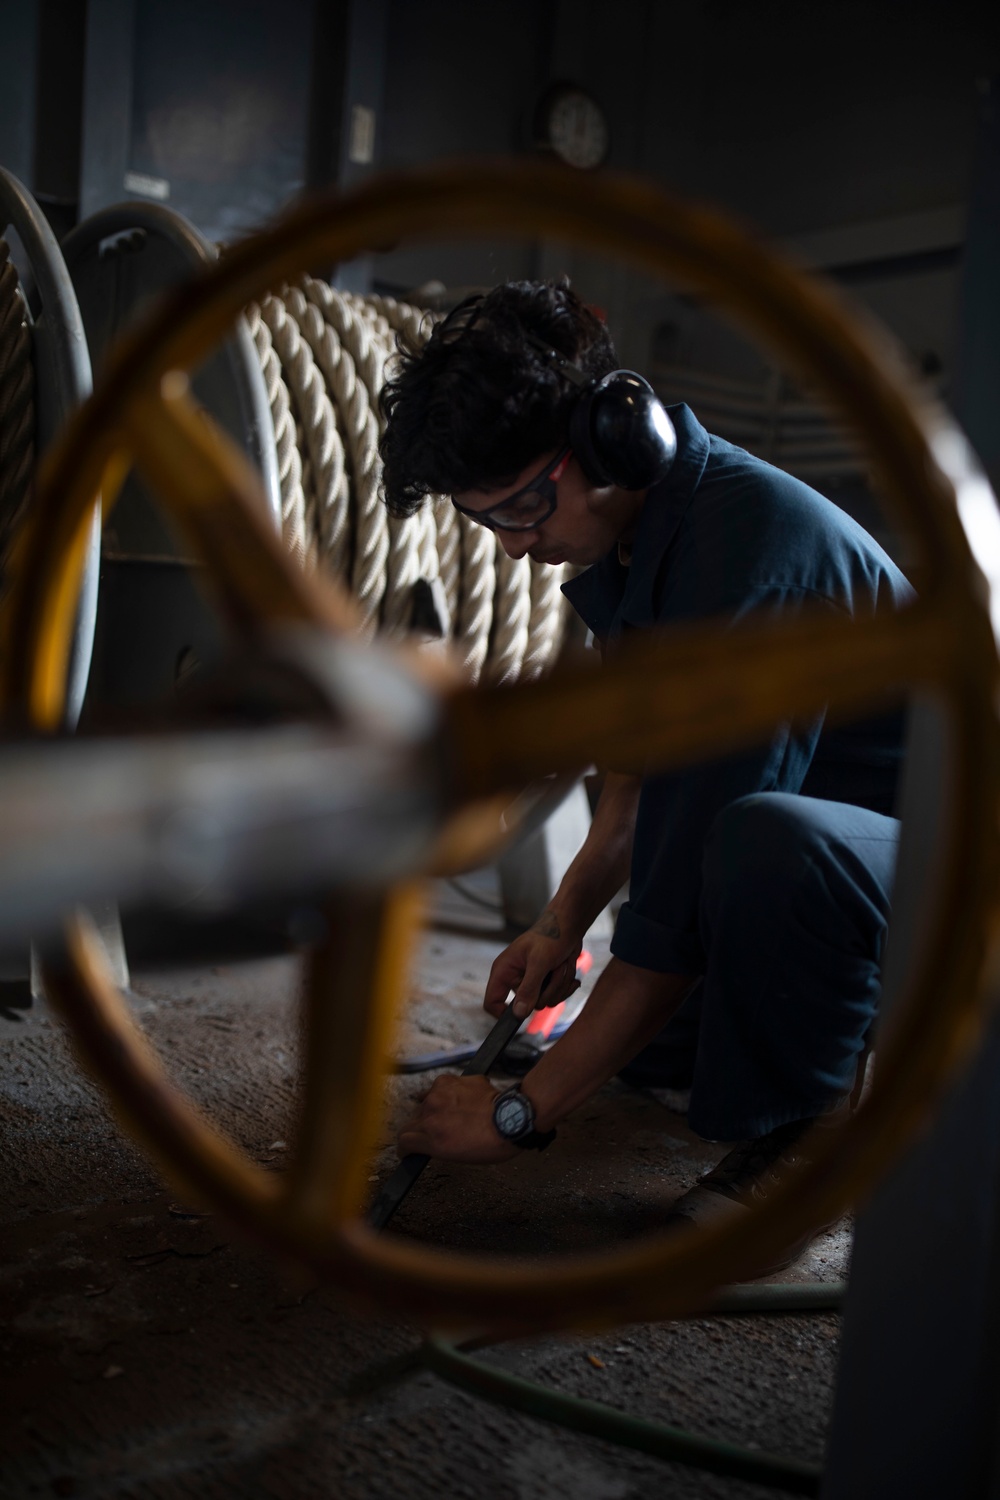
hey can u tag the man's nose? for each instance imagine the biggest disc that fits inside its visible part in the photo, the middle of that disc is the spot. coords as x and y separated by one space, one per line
517 543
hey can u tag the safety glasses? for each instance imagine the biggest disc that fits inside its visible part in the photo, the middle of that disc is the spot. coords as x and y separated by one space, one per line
529 506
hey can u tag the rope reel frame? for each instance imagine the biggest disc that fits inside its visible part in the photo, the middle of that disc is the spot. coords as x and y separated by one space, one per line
182 240
723 688
63 381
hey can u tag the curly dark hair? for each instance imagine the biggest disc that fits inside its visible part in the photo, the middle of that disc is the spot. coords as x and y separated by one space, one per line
478 402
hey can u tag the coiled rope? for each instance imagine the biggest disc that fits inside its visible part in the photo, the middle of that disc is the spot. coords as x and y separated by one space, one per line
325 355
293 518
17 401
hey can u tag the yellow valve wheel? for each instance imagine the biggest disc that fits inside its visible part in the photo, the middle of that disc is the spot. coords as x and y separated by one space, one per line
693 691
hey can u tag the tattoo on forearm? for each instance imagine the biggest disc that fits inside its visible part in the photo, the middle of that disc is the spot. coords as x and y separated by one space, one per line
548 925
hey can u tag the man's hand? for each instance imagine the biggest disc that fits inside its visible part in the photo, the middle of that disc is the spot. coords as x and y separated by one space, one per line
455 1123
627 1008
544 949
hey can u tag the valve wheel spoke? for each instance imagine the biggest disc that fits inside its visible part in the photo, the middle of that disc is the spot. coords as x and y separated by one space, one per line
217 497
691 692
354 989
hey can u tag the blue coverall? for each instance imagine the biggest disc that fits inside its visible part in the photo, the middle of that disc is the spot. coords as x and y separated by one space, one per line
768 873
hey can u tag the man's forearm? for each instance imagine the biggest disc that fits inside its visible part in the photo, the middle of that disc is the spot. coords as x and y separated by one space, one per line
626 1010
602 865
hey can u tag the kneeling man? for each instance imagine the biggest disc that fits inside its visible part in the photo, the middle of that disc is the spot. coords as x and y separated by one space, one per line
746 963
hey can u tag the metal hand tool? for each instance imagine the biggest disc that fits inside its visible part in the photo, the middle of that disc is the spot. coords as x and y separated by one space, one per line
410 1168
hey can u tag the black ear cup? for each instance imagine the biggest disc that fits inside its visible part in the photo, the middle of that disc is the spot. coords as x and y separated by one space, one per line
621 434
619 430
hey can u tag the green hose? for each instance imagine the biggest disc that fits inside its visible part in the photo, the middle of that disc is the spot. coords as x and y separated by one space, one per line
776 1299
658 1438
598 1420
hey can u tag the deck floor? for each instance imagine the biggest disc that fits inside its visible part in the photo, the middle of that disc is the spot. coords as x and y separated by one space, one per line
148 1352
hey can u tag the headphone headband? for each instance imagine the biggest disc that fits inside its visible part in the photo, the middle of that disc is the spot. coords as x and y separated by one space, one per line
559 361
619 429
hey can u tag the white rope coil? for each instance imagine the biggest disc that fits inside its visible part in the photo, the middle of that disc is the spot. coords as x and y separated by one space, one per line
352 365
293 512
323 434
475 608
325 355
511 615
449 550
414 324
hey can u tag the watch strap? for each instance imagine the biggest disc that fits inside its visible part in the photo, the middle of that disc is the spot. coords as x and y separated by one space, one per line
534 1140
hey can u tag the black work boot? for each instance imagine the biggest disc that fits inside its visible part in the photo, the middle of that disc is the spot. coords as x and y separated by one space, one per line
743 1177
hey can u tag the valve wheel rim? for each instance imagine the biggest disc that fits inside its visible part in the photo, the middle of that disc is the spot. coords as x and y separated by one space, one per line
945 643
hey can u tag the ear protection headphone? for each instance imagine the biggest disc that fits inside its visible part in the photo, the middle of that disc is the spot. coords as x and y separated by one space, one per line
619 430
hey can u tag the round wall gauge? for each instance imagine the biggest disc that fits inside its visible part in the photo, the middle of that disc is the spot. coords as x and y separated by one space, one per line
570 122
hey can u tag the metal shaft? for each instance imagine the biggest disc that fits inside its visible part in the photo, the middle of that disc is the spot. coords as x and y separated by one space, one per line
410 1168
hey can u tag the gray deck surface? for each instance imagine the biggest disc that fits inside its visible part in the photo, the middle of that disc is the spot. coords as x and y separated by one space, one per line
149 1353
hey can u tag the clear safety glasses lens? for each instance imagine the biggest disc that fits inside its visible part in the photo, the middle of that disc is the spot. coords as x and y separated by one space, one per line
524 512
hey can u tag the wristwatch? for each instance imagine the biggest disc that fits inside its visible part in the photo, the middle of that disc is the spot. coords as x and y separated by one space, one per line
514 1119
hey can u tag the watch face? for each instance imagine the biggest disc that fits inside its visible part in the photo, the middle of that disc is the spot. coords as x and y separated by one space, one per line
576 128
511 1115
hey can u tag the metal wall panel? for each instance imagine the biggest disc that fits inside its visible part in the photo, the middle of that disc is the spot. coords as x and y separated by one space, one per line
219 108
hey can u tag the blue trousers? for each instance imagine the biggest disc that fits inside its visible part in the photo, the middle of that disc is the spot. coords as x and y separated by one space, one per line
794 911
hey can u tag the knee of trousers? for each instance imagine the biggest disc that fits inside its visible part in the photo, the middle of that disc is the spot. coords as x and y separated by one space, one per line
757 853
